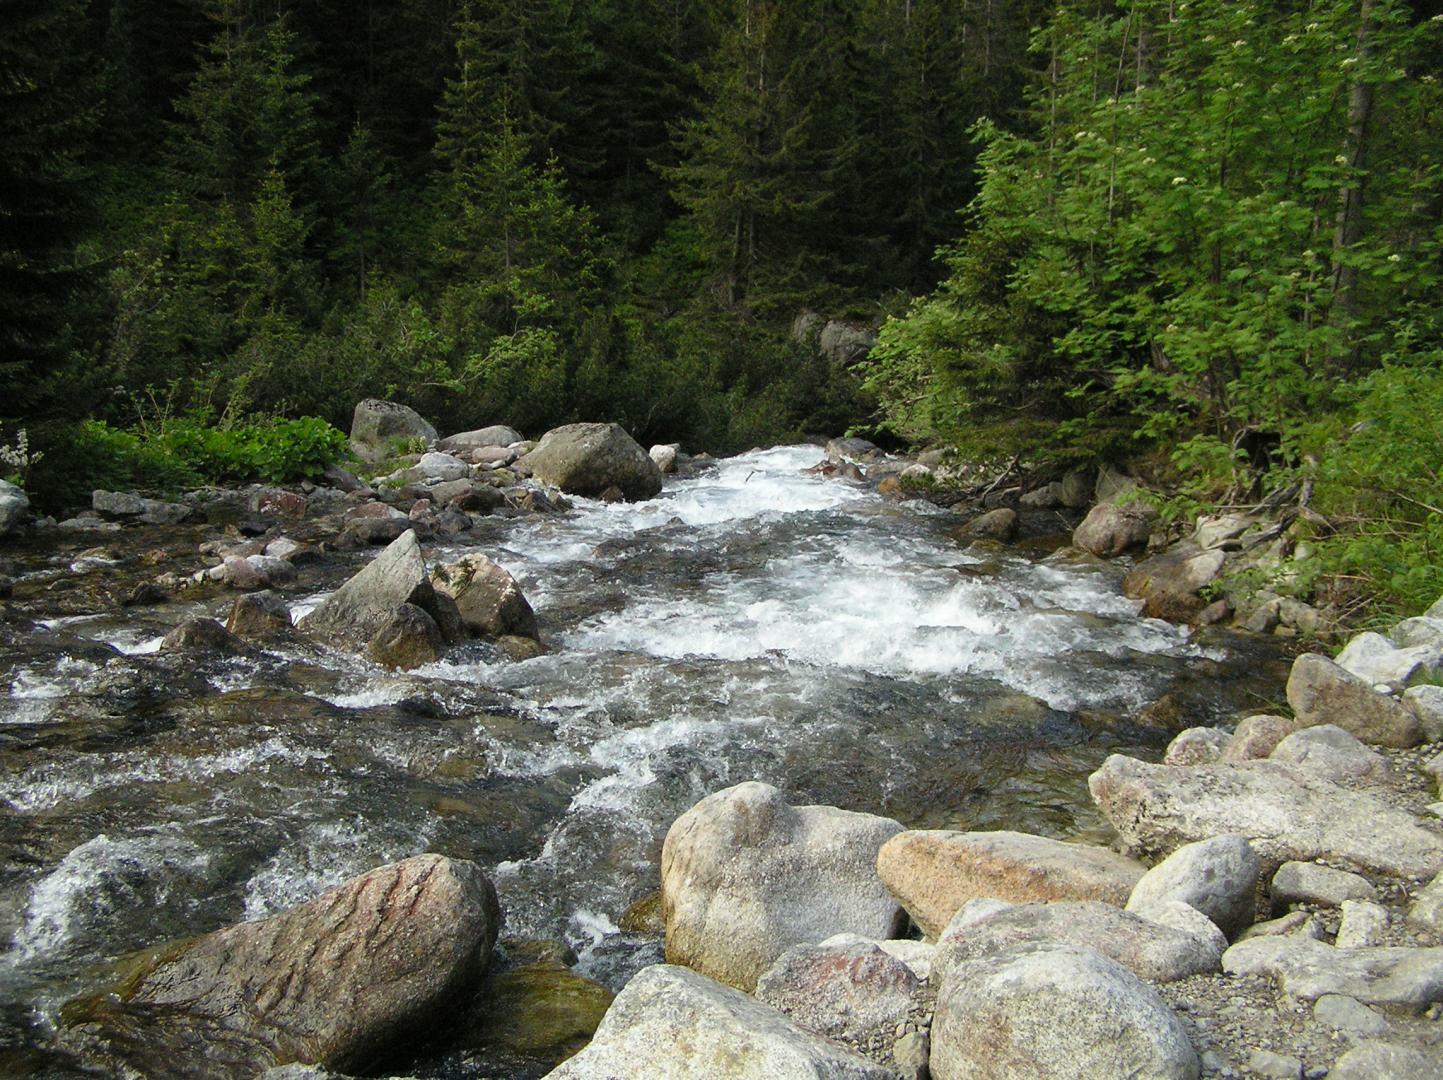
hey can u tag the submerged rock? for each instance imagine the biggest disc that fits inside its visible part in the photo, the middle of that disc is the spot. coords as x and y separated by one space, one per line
586 459
673 1024
934 872
745 876
334 982
1286 813
1055 1011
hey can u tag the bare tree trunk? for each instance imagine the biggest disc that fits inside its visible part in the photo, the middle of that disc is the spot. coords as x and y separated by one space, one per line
1348 226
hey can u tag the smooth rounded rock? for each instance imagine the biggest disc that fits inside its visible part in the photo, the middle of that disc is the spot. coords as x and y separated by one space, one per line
1197 746
1309 883
1110 530
1218 877
587 459
855 990
1331 752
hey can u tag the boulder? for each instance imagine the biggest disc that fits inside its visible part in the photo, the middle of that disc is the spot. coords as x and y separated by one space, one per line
201 636
489 600
1220 531
934 872
844 343
14 505
1286 813
665 455
260 617
1111 484
673 1024
1375 660
999 524
375 523
127 505
293 551
1152 951
1424 630
1309 883
586 459
745 876
855 992
375 423
1426 703
1363 924
1110 530
1055 1011
1307 969
497 435
853 448
335 982
1181 573
365 604
1197 746
438 466
1257 737
1294 922
407 639
257 572
917 955
1218 877
1330 752
1321 692
1374 1060
1426 910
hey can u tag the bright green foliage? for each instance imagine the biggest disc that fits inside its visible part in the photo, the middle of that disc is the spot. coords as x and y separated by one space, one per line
1165 256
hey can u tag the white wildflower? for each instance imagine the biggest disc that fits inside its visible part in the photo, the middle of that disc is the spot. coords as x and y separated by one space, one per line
1395 258
1176 180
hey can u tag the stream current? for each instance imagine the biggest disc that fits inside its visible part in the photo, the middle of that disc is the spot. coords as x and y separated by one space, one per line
751 623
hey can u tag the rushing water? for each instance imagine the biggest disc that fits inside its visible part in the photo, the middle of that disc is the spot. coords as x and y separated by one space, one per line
751 623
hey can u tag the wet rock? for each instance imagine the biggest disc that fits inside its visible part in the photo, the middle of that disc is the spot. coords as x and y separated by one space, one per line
538 1012
146 594
1218 877
355 612
933 872
278 502
586 459
1309 883
376 425
664 455
14 505
497 435
343 479
1321 692
745 876
375 523
257 572
130 506
333 982
1110 530
1363 923
1286 813
854 448
1427 907
1273 1066
292 551
1426 702
1330 752
1257 737
1152 951
1197 746
1179 574
999 525
490 602
1349 1015
200 635
1388 1061
408 639
260 617
1058 1011
857 991
671 1022
1307 969
1375 659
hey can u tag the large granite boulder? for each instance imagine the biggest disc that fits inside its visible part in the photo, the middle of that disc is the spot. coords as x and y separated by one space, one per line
1376 660
490 601
376 423
589 459
745 876
1285 813
1110 530
1218 877
1321 692
1150 950
1055 1011
1171 581
673 1024
335 982
934 872
855 990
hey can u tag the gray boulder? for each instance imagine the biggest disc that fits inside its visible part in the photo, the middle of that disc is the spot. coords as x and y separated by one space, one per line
665 454
1150 950
1257 737
1427 907
1321 692
1376 660
1181 573
14 505
1348 1015
259 616
1424 630
1218 877
1426 702
1330 752
1363 924
1110 530
855 991
673 1024
366 604
335 982
1197 746
745 876
407 639
375 523
844 343
1222 530
1286 813
375 423
934 872
489 600
1058 1011
999 524
1375 1060
1307 969
481 438
1309 883
588 459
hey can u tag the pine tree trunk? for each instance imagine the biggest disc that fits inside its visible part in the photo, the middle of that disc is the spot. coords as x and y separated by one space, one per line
1348 227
